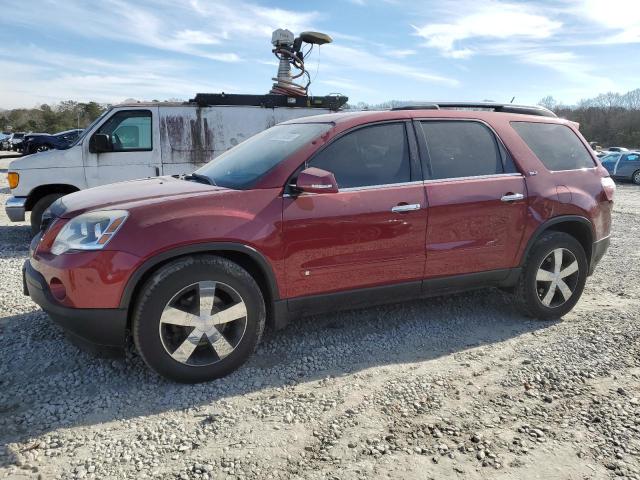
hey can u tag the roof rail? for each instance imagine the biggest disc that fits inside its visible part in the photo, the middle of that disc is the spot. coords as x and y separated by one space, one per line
496 107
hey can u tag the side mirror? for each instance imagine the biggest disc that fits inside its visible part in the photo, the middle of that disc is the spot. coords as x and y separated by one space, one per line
100 142
316 180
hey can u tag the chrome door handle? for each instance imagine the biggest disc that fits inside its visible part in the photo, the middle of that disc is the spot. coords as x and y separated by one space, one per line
405 208
512 197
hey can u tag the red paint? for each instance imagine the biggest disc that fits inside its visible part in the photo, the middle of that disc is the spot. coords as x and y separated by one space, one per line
327 242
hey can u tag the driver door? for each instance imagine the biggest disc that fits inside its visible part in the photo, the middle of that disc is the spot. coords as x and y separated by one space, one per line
371 232
135 154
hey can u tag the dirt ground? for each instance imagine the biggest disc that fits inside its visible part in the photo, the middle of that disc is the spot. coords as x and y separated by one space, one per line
452 387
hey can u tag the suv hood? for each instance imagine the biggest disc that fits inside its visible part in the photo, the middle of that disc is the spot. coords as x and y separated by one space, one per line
125 195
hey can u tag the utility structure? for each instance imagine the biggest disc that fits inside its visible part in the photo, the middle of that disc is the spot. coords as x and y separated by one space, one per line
285 92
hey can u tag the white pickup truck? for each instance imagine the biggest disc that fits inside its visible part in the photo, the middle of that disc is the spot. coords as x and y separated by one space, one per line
140 140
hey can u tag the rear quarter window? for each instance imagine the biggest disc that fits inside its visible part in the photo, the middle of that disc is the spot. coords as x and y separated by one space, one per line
555 145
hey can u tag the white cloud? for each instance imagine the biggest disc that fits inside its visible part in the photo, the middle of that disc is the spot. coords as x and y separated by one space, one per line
34 76
574 68
348 58
619 19
401 53
209 30
484 21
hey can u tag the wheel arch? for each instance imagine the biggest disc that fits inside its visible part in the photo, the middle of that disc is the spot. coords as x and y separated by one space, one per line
245 256
578 227
44 190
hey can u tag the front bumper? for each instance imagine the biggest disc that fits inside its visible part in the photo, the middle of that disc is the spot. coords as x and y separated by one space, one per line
15 207
100 327
597 252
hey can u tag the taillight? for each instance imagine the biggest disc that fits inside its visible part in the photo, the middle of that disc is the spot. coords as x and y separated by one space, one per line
609 187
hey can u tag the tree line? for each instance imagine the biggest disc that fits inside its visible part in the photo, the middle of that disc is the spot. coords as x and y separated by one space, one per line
609 119
51 118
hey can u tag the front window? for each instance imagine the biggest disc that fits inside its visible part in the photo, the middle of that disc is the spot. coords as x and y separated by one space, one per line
244 164
130 130
369 156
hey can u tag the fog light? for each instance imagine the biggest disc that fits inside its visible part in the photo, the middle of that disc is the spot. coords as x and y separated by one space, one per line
57 288
14 179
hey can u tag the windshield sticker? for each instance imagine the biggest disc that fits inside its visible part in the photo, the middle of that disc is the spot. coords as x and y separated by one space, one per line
286 137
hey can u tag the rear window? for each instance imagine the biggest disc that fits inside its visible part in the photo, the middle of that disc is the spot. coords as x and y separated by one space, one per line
557 146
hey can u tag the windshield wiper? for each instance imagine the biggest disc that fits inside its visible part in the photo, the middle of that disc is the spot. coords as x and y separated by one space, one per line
199 178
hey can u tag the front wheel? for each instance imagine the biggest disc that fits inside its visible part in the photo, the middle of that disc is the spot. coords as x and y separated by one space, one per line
198 318
553 277
39 208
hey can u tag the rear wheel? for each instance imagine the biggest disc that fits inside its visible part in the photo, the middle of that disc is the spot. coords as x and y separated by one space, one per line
553 277
198 318
635 178
39 208
42 148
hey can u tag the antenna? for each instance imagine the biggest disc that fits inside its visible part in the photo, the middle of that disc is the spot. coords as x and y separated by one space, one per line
288 50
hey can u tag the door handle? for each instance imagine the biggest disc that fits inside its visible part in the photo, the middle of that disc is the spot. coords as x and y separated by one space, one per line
405 208
512 197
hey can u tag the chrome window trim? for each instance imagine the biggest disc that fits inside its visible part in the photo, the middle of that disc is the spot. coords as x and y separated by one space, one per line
474 177
356 189
581 169
385 185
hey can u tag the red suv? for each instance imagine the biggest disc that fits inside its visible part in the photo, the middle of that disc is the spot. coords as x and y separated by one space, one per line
323 213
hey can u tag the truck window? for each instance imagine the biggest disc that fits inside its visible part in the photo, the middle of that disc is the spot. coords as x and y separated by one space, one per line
555 145
130 130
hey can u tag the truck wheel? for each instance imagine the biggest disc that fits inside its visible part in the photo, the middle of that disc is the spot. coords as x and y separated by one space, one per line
39 208
198 318
553 277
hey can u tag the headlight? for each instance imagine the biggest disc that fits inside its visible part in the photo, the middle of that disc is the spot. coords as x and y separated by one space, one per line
89 231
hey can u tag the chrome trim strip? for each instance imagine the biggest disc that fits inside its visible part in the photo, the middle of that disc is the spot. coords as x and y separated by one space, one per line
474 177
385 185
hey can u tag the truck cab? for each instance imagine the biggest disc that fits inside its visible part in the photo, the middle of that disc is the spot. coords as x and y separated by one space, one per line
139 140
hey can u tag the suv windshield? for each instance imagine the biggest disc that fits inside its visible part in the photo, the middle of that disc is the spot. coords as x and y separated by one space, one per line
245 163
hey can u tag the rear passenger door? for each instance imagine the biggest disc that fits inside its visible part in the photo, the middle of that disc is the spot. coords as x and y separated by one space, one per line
477 199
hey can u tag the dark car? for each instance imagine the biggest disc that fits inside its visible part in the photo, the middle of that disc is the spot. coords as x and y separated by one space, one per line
16 141
623 165
40 142
324 213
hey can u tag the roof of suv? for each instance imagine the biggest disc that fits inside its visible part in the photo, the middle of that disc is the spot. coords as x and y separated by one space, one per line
381 115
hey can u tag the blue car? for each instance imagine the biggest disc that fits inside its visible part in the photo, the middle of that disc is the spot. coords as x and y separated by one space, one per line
623 165
39 142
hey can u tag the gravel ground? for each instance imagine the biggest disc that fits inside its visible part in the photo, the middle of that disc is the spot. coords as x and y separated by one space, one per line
455 387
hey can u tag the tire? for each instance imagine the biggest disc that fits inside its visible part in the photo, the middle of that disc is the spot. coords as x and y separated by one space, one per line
177 343
39 208
537 294
42 148
635 178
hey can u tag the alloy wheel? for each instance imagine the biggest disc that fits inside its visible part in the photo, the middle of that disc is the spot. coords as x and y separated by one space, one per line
203 323
636 178
557 277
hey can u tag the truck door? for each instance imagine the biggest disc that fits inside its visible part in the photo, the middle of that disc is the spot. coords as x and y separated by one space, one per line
135 151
